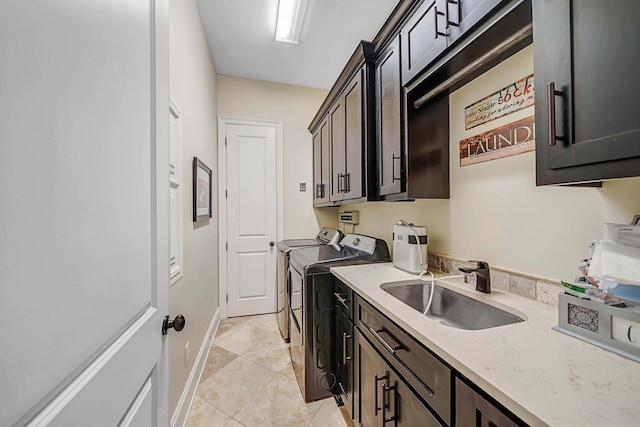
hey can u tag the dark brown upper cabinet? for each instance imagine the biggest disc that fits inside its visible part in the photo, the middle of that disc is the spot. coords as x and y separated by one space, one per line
413 154
436 25
390 147
321 177
587 54
338 148
348 140
343 135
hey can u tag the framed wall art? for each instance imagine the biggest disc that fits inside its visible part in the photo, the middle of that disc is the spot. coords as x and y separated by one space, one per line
202 178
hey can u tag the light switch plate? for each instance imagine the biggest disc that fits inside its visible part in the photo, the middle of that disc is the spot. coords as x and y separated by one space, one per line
303 186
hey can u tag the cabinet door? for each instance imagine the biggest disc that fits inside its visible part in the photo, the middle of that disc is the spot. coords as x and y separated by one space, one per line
321 164
337 141
473 410
401 407
354 136
390 153
423 38
317 165
587 54
461 15
370 372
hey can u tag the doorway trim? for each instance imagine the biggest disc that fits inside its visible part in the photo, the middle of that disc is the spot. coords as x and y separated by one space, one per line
223 121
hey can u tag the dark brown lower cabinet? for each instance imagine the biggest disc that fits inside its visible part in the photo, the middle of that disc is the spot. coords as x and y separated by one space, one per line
383 398
473 410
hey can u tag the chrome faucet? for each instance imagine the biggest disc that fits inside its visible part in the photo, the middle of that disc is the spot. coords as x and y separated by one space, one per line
483 278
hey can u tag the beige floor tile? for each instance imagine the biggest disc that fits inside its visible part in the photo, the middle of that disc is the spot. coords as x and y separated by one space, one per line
230 323
268 322
203 414
218 359
242 338
279 404
233 386
233 423
272 355
287 371
328 415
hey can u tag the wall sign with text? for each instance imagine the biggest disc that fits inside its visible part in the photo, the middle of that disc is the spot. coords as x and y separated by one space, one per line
514 138
507 100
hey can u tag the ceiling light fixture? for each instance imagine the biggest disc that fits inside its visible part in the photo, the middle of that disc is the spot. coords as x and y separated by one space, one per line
290 19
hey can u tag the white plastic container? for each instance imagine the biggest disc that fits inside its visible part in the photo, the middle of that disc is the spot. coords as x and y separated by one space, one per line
406 251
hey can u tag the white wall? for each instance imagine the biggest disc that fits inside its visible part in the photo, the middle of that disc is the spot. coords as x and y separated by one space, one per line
193 89
496 213
295 107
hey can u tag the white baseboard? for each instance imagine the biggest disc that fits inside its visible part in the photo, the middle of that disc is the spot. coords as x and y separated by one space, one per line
181 414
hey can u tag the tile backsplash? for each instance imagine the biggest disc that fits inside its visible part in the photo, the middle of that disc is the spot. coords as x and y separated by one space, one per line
526 285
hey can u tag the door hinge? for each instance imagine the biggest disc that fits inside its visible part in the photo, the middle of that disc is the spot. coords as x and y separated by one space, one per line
227 297
226 194
225 141
226 246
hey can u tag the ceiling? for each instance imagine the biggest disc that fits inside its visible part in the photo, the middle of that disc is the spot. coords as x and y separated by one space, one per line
241 37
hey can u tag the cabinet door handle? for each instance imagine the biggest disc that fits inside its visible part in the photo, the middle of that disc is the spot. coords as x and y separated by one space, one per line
345 358
435 18
347 182
459 4
393 166
385 404
386 345
341 300
551 101
376 399
339 183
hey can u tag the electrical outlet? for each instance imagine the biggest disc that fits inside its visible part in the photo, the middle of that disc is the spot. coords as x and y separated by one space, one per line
186 354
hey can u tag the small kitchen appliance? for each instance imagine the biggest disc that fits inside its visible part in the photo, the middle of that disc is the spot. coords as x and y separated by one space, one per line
409 247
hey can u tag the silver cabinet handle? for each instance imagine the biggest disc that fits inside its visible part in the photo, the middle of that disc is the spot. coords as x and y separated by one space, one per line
393 166
345 337
347 182
386 345
341 300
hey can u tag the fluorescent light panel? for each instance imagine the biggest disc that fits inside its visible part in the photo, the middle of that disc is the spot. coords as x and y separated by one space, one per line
290 19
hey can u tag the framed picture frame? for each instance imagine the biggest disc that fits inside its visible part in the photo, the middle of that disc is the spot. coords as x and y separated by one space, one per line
202 179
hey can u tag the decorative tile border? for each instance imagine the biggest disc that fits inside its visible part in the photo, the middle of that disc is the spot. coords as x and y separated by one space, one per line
526 285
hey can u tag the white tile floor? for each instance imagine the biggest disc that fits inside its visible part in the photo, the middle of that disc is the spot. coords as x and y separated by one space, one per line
248 381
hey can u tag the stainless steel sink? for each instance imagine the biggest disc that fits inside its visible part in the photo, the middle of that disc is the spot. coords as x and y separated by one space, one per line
449 307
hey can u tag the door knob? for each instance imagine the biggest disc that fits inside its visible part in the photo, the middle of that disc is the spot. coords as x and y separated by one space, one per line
177 323
271 243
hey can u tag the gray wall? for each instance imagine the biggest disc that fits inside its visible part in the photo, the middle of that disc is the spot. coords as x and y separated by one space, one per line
193 89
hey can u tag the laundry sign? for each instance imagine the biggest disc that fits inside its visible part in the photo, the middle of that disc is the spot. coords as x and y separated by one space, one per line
514 138
507 100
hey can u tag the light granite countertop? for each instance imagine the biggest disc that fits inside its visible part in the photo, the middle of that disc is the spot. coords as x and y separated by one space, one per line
541 375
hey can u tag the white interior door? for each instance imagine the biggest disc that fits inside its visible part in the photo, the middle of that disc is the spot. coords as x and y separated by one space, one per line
251 218
84 253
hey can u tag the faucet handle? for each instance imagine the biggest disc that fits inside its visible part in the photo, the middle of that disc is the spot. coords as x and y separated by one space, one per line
480 265
483 278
